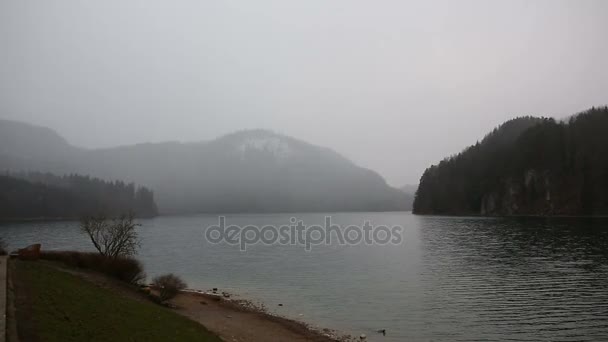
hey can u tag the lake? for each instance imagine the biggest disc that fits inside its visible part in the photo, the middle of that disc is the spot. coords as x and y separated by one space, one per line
451 279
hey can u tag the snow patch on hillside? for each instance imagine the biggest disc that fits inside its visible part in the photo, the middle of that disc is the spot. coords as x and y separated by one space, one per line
273 145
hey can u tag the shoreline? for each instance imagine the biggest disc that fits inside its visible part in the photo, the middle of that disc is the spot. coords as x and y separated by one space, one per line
233 319
464 215
237 319
187 214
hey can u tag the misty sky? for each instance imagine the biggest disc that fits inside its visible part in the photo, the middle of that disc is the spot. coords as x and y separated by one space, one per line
393 85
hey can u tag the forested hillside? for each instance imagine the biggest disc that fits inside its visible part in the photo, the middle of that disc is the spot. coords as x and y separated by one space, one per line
43 195
246 171
527 166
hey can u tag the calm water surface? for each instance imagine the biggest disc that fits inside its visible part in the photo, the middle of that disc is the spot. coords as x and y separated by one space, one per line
453 279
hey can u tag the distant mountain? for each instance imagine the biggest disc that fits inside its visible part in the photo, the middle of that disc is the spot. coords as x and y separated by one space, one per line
28 147
43 195
409 189
527 166
247 171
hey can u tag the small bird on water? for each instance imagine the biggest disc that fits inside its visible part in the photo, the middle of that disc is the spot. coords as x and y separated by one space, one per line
383 332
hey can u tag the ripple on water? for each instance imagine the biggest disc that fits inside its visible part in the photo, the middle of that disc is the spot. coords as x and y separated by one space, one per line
454 279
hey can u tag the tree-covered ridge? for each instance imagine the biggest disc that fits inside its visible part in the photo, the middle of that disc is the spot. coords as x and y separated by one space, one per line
44 195
527 166
245 171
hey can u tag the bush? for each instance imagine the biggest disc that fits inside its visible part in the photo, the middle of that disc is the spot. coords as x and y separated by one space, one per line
168 285
71 258
125 269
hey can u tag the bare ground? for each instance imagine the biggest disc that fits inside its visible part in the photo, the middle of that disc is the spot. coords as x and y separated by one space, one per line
236 321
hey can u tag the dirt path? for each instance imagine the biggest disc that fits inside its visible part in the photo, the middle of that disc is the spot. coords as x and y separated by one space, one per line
236 323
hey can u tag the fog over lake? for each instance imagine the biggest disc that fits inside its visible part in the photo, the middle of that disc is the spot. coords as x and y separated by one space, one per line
395 86
468 135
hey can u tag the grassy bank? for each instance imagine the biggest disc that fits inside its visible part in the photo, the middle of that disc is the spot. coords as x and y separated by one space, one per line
56 306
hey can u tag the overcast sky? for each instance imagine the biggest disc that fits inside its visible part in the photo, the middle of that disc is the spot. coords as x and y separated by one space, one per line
393 85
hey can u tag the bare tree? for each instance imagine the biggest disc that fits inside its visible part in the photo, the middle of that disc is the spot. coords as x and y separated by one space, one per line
112 238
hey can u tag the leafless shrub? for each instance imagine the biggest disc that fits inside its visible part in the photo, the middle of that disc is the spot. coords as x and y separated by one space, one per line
168 285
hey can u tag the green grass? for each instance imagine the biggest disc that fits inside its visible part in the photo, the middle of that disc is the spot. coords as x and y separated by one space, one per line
63 307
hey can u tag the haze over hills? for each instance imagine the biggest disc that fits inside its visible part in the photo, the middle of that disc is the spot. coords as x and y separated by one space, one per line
247 171
410 191
527 166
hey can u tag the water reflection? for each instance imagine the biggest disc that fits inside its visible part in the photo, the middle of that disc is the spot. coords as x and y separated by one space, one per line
525 278
454 279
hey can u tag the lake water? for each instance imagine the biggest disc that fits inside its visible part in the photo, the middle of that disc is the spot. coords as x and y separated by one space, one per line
452 279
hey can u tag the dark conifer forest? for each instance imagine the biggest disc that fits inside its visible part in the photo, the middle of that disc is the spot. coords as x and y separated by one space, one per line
527 166
43 195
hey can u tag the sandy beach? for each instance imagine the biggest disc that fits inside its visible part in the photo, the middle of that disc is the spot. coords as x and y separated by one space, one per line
240 321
